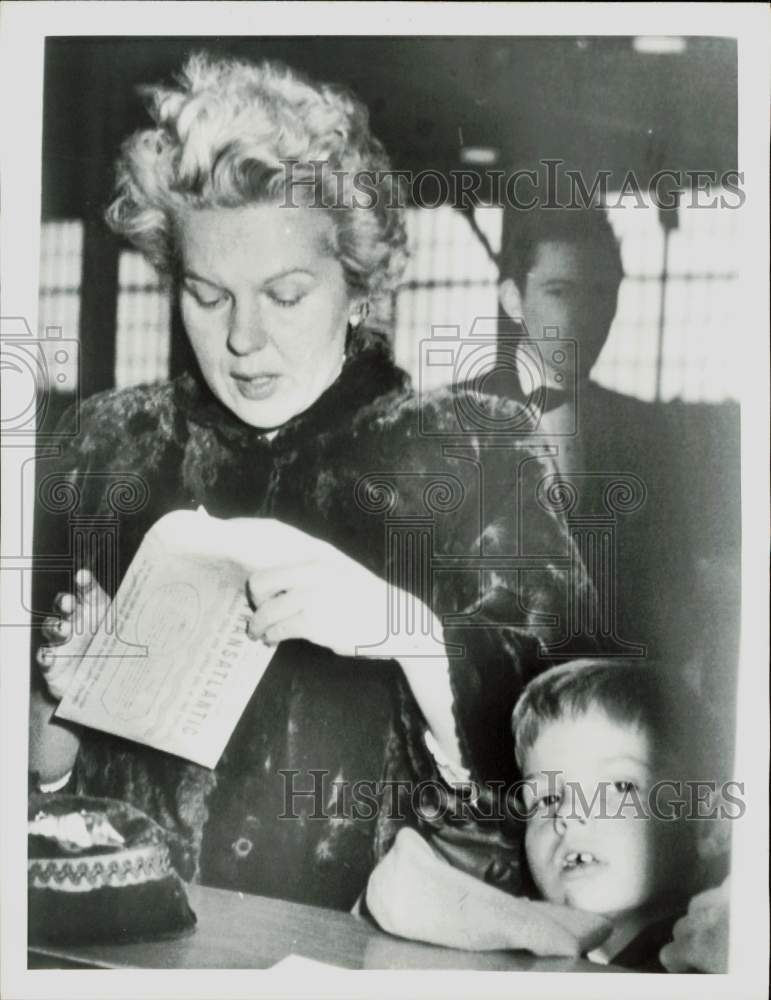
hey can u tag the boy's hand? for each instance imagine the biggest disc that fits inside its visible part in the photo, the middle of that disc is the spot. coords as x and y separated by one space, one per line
416 894
701 937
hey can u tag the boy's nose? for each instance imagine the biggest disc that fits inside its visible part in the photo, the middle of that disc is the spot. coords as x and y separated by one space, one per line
570 810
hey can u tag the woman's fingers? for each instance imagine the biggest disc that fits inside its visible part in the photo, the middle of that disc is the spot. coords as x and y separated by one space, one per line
84 581
68 635
275 610
92 603
45 658
268 583
53 662
56 630
294 627
65 603
57 665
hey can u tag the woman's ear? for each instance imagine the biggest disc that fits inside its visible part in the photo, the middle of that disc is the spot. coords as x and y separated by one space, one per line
510 299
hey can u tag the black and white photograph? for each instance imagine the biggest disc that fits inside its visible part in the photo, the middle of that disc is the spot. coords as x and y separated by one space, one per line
384 440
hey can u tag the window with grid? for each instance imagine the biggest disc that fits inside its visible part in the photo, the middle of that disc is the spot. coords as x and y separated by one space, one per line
143 336
61 255
676 304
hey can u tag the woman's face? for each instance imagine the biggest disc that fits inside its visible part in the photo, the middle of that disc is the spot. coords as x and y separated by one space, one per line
266 307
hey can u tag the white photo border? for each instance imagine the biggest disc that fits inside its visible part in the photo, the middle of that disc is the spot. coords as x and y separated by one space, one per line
23 29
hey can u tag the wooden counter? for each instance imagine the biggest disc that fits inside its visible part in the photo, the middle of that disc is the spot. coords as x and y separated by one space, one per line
238 931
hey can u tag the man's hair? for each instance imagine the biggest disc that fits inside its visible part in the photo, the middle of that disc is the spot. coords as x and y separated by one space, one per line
530 229
650 696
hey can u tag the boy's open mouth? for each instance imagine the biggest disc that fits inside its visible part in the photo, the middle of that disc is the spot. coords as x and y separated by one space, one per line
579 861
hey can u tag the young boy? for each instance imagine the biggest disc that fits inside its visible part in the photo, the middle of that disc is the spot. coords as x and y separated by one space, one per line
608 752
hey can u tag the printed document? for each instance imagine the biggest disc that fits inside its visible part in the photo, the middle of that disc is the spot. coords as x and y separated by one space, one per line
171 665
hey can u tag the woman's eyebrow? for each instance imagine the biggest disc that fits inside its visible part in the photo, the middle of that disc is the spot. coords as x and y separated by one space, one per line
188 273
288 273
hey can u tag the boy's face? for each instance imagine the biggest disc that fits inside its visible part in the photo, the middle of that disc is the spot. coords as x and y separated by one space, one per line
587 843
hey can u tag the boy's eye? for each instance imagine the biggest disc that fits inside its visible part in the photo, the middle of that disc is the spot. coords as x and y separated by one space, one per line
547 802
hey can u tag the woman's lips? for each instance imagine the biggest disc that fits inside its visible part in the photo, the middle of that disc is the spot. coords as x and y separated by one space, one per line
256 387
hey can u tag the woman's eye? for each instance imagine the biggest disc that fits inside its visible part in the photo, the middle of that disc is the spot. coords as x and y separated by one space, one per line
625 786
208 299
546 802
286 301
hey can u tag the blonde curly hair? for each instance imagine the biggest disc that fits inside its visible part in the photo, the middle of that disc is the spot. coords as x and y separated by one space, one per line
234 133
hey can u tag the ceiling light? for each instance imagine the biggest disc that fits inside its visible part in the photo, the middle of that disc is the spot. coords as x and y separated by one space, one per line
479 156
658 44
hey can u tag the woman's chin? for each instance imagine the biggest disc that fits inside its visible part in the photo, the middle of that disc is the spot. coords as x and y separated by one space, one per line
262 406
262 415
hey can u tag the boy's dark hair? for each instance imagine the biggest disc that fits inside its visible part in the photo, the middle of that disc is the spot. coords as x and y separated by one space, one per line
529 229
641 694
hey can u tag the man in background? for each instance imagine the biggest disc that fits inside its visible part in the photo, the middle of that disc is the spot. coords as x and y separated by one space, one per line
675 579
560 274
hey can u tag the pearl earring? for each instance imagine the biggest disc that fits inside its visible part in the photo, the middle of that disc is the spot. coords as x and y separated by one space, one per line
359 315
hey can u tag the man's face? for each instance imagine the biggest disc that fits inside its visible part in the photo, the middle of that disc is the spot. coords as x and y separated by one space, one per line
572 286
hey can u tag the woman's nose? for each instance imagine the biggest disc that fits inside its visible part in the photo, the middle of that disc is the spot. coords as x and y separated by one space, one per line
247 330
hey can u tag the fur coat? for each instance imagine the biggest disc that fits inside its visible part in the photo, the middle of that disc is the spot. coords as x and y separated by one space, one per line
367 463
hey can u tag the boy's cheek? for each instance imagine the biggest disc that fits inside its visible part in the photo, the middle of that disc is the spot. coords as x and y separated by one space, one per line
536 852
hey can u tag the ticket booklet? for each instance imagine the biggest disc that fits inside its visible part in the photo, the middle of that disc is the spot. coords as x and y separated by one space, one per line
171 665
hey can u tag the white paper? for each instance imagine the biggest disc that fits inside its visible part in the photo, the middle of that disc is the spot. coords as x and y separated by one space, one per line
298 964
171 665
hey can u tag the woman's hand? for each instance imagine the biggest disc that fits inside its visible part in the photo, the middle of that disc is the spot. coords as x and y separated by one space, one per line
69 633
331 600
53 745
319 594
